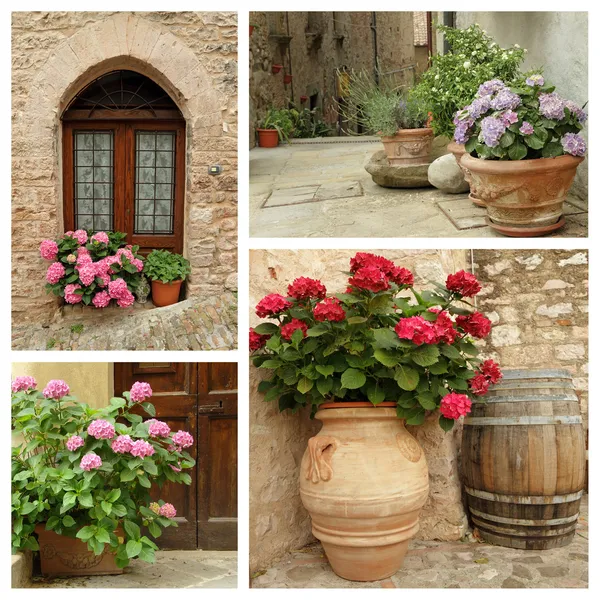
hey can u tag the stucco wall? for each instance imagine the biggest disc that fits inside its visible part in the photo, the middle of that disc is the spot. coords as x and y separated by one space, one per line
278 522
556 41
193 56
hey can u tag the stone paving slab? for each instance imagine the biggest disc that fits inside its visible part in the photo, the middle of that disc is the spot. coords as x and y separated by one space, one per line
462 564
173 569
208 324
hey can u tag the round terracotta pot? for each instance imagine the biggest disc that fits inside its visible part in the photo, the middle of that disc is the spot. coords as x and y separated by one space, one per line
62 555
409 146
268 138
524 198
164 294
458 150
364 480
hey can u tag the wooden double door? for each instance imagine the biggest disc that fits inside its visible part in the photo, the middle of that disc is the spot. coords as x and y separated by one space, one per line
200 398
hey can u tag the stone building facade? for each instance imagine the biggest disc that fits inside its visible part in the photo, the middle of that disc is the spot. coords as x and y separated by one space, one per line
310 46
192 56
537 300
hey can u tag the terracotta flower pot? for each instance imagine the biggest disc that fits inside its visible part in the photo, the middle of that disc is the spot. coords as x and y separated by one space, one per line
62 555
287 79
458 150
268 138
164 294
524 198
409 146
251 29
276 68
363 479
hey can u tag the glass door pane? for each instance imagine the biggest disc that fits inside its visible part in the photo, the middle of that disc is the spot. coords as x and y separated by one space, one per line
154 182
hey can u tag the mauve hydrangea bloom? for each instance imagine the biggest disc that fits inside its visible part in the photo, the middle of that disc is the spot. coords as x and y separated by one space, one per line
573 144
56 388
465 284
74 442
23 383
534 80
479 107
155 507
87 273
70 296
509 117
90 461
141 449
126 300
121 444
101 299
81 236
492 129
454 406
505 99
101 429
158 428
83 259
272 305
552 106
139 391
257 341
526 128
461 132
304 288
101 237
48 249
577 111
490 87
288 329
55 273
329 310
168 510
117 288
182 439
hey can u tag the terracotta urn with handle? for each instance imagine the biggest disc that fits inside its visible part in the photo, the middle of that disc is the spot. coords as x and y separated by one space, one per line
364 480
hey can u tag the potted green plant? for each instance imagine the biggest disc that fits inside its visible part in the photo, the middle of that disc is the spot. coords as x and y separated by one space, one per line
365 362
523 148
381 107
81 478
275 126
167 271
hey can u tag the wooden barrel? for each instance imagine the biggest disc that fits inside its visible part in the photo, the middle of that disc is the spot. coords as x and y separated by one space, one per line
523 460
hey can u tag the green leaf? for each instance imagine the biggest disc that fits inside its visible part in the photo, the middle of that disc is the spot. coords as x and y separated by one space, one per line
150 466
266 329
450 351
353 379
385 338
426 400
375 393
132 529
297 337
517 151
106 507
86 533
468 348
22 475
149 408
147 555
127 475
406 377
446 424
458 384
324 386
144 481
416 419
114 495
552 149
507 139
52 522
154 529
86 500
305 385
356 320
118 402
439 368
317 330
425 355
385 357
133 548
102 536
67 521
325 370
271 364
533 141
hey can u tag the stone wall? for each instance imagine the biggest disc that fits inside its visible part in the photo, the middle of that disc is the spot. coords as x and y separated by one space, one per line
278 522
311 46
192 55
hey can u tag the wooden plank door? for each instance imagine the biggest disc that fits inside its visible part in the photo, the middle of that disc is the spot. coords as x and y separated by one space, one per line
217 472
175 397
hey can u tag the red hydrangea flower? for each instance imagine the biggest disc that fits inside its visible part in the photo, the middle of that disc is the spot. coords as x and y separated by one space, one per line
479 384
272 305
416 329
366 259
370 278
463 283
329 310
491 370
401 276
288 329
443 328
304 288
475 324
454 406
257 341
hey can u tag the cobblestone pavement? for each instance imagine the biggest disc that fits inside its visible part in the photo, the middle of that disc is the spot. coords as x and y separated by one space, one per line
173 569
210 324
322 190
448 565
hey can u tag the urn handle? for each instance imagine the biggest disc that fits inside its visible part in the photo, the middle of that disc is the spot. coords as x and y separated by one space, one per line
320 453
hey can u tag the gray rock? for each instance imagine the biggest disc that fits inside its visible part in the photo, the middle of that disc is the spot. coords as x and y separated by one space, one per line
445 174
396 176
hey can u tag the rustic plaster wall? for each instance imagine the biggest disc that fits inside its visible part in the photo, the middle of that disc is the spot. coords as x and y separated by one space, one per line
278 522
192 55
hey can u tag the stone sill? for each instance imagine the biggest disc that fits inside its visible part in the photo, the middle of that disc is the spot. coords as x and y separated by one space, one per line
21 570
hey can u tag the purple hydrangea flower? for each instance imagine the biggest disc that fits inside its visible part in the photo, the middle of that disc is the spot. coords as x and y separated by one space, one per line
526 128
461 132
490 87
534 80
492 129
552 106
505 99
573 144
578 112
479 107
509 117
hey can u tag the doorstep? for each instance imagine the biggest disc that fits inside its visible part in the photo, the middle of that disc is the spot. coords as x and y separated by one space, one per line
22 565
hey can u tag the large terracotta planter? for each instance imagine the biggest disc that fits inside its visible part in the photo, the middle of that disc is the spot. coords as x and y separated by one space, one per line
363 480
409 146
62 555
268 138
524 198
458 150
165 294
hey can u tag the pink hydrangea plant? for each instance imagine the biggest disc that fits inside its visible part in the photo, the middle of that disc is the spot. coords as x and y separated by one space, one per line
23 383
90 461
101 429
140 390
56 388
48 249
74 442
182 439
168 510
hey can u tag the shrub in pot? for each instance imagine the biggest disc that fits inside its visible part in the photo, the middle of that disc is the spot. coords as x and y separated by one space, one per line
381 107
275 126
522 152
96 269
81 478
365 362
167 271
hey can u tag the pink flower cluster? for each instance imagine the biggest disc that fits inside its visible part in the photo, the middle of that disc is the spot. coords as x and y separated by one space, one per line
373 272
23 383
74 442
257 341
167 510
70 296
139 391
182 439
55 273
304 288
454 406
155 507
90 461
158 428
141 449
100 237
489 372
101 429
48 249
463 283
118 290
288 329
420 331
272 305
475 324
329 310
121 444
56 388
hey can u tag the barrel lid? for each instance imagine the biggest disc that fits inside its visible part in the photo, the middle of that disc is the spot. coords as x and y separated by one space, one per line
512 374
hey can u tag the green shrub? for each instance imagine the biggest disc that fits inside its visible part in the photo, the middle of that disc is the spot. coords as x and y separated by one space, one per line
165 266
